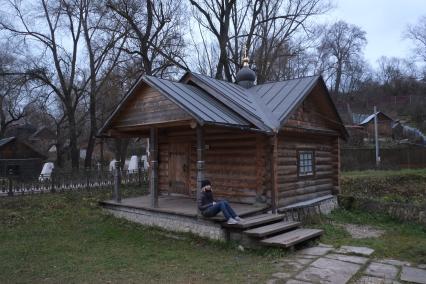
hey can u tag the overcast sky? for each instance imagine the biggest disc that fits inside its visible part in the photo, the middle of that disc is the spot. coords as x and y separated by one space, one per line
383 20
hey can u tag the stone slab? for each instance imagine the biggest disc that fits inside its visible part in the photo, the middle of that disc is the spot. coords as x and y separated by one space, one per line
394 262
382 270
348 258
319 251
292 281
325 245
414 275
356 250
325 270
374 280
281 275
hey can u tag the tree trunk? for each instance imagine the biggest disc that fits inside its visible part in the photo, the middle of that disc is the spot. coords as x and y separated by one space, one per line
338 78
121 145
93 127
75 155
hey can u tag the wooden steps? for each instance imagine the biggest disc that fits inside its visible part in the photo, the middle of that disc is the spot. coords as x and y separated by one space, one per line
255 221
270 230
292 238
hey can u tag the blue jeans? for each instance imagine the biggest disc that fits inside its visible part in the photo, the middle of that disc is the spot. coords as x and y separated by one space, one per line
223 206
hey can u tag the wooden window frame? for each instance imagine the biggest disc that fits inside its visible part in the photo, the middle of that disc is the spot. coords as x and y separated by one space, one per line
307 176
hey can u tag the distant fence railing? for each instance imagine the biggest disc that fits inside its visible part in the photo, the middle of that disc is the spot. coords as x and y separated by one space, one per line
358 159
67 181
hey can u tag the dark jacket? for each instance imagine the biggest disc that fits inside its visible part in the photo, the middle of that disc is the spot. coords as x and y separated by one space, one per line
205 200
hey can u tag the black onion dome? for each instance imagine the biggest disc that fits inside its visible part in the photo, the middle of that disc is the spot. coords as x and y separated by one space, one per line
246 74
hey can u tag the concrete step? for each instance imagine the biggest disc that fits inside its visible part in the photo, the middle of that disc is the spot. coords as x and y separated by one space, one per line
268 230
255 221
292 238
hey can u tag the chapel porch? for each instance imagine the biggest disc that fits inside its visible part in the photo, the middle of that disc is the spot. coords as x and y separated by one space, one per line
180 206
176 213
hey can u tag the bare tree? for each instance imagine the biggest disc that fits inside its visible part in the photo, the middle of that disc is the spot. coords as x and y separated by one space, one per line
103 43
266 27
341 45
14 90
156 28
45 26
280 25
417 33
73 49
215 16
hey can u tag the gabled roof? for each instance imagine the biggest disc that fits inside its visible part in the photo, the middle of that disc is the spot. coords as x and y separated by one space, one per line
262 108
42 131
6 141
198 103
371 116
280 98
234 96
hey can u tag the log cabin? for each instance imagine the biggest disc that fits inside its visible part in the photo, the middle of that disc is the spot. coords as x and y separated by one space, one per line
275 143
384 125
19 159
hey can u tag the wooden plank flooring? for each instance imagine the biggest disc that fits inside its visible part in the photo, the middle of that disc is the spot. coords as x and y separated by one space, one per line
181 205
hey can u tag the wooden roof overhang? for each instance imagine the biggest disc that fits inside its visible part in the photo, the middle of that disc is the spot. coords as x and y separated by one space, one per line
263 108
202 110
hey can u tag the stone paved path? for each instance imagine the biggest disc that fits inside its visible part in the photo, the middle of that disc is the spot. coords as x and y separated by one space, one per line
324 264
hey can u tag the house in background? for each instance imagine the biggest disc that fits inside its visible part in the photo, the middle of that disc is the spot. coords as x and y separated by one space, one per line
384 126
42 139
19 159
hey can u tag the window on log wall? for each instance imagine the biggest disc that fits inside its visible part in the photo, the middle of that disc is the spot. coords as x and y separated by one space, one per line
306 162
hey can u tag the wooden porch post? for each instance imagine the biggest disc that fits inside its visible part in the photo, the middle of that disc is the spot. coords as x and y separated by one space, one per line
200 159
153 182
274 175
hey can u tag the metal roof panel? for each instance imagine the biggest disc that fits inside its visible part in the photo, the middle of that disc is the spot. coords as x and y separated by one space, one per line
198 102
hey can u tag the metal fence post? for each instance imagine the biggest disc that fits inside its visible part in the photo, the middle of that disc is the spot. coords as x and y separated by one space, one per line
87 179
52 182
117 172
10 192
140 173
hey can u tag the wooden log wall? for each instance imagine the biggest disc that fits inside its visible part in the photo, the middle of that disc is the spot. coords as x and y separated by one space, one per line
293 188
235 162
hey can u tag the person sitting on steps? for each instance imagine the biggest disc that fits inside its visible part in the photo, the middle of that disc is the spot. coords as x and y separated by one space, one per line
210 208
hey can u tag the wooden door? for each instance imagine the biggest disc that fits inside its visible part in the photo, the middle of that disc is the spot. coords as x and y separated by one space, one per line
179 168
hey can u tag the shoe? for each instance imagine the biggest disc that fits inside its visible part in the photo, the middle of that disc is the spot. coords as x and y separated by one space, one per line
232 221
239 219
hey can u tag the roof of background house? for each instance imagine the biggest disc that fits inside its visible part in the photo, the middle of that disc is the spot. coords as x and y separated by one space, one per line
263 107
371 116
5 141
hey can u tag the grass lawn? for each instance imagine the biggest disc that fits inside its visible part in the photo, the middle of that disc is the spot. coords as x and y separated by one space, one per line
62 238
67 238
402 241
403 186
383 173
